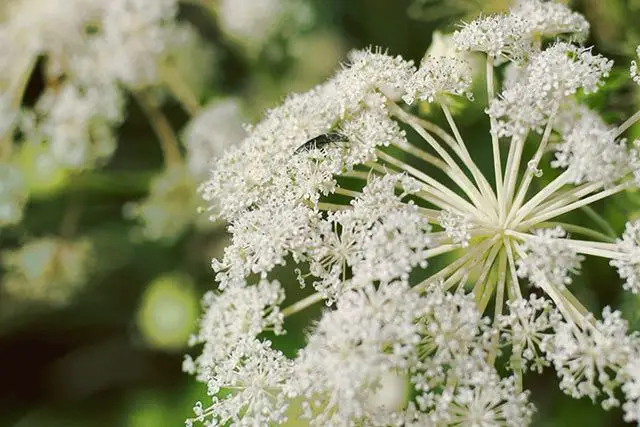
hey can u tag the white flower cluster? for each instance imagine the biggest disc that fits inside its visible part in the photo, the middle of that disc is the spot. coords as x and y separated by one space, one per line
347 355
514 35
339 181
549 259
371 334
136 33
548 80
588 141
456 226
233 357
264 168
527 328
550 19
628 264
594 352
78 124
93 51
439 75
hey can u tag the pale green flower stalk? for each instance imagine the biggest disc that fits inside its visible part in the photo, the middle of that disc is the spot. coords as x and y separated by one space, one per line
347 182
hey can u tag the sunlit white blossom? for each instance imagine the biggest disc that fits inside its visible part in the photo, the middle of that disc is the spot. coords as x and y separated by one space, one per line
253 374
436 76
347 354
497 36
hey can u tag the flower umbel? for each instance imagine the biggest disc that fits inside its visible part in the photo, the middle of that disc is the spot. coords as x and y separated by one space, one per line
364 213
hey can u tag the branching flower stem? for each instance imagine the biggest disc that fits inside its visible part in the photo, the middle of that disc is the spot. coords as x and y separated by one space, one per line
302 304
495 142
163 130
552 213
16 90
627 124
462 151
457 173
532 167
180 89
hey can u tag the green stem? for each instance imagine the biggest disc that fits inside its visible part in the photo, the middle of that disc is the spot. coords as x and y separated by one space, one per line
163 130
302 304
181 90
16 93
577 229
598 219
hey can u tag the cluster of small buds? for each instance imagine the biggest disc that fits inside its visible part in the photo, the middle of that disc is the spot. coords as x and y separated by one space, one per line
497 36
628 264
549 78
591 353
550 19
457 227
549 259
439 76
455 384
513 36
526 327
346 355
587 140
232 357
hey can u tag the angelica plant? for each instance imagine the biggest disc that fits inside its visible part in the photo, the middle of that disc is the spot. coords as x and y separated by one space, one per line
363 217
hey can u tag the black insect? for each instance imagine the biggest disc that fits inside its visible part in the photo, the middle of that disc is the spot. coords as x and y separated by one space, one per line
321 141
